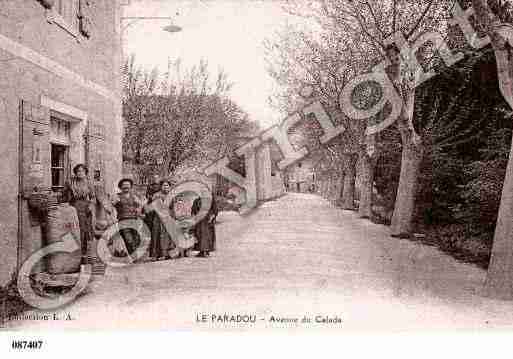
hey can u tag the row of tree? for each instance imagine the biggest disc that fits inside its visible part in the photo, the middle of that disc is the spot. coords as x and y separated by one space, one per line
441 125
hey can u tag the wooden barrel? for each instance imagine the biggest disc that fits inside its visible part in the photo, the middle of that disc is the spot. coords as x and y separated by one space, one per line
61 220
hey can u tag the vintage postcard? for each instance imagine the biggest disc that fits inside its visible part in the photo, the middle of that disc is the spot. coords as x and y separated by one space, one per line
254 165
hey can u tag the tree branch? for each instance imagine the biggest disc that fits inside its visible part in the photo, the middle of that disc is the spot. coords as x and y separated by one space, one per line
394 17
373 39
376 24
417 24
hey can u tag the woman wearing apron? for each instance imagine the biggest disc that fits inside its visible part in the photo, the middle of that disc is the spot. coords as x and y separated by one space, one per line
80 194
161 241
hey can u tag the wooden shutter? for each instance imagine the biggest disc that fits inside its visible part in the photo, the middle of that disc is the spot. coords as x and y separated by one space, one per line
85 17
95 147
34 173
34 147
94 150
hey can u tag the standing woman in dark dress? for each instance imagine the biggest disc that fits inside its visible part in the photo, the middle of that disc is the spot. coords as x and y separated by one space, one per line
153 188
161 241
149 215
79 193
205 230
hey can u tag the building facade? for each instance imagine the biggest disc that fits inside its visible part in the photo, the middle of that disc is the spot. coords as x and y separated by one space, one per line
268 178
60 105
300 177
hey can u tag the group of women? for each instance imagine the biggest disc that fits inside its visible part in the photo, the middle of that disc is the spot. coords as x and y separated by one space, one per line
201 237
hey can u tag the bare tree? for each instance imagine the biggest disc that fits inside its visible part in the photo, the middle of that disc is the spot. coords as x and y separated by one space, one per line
181 119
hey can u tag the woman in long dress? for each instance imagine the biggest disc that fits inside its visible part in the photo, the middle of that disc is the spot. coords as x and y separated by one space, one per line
149 215
161 241
80 193
205 229
153 188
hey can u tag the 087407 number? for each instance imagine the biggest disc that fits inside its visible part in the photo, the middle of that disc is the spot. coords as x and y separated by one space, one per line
27 344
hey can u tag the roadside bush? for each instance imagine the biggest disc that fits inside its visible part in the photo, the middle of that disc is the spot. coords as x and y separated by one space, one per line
11 302
466 129
459 241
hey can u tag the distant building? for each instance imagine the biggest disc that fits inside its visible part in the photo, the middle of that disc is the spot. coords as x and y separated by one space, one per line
269 178
60 105
301 177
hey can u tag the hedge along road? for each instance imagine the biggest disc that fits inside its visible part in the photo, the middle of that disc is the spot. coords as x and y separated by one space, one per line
294 257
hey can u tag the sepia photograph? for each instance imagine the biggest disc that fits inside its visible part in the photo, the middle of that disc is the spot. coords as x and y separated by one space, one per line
261 166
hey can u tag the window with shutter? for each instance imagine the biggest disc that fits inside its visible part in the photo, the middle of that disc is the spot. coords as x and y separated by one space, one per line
59 166
65 14
60 140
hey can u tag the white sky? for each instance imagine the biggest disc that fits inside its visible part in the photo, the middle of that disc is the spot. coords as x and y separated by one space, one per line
227 33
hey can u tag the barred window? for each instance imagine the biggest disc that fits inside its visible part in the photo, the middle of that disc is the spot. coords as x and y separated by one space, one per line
60 141
59 166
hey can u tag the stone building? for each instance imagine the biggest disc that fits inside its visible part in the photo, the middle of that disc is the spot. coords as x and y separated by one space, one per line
60 105
269 179
301 177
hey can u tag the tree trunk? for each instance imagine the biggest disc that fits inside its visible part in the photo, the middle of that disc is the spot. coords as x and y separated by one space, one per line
324 191
333 194
412 151
366 186
339 195
499 280
407 189
349 182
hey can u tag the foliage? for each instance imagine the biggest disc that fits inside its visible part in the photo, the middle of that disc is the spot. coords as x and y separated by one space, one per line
482 193
388 168
467 128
